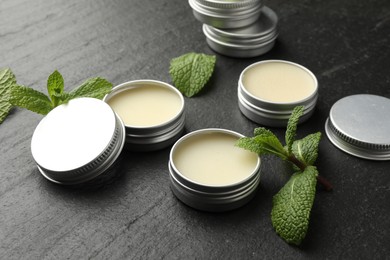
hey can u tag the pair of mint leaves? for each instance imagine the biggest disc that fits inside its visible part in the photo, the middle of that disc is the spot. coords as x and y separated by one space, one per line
291 207
13 94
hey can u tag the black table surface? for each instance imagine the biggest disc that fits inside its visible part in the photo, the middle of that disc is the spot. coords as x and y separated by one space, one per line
346 45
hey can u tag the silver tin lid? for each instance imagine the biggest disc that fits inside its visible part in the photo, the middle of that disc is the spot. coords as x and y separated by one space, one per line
360 125
154 137
226 14
77 141
249 41
274 114
211 197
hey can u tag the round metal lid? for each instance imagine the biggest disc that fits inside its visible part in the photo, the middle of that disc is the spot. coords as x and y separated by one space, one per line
73 135
223 4
360 125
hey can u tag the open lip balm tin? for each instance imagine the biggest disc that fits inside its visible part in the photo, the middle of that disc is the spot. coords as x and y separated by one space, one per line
208 172
360 125
226 14
78 141
152 111
269 90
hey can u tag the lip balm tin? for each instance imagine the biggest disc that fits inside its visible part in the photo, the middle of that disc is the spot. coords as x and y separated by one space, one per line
244 42
78 142
151 137
212 197
226 14
271 113
360 125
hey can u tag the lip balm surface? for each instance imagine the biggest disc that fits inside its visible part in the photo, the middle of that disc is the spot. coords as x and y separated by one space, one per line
213 159
280 82
146 105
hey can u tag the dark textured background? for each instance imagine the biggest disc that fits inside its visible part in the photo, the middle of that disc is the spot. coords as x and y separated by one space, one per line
345 43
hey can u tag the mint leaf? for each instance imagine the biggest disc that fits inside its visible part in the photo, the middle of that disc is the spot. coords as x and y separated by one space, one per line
55 87
306 149
30 99
262 131
292 126
292 205
94 88
191 71
7 80
264 143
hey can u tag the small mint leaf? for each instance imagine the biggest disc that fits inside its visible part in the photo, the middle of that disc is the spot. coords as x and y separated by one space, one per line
292 126
7 81
306 149
55 86
266 143
262 131
30 99
292 205
94 88
191 71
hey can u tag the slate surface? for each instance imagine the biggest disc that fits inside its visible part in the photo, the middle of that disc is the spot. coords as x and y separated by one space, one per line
345 43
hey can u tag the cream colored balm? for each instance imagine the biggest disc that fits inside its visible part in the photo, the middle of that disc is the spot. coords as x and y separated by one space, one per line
279 81
213 159
146 105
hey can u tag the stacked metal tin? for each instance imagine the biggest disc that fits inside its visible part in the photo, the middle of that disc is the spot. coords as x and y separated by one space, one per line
237 28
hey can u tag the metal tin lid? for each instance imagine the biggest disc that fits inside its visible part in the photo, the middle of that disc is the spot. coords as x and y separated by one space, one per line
249 41
360 125
77 141
226 14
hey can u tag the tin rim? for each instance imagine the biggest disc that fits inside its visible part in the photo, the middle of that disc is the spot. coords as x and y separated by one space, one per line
254 99
213 187
138 83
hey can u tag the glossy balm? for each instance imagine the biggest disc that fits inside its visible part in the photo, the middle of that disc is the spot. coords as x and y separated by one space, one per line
213 159
279 82
146 105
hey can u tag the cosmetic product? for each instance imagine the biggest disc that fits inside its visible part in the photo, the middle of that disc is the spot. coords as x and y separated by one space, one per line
269 90
208 172
226 14
78 141
252 40
360 125
152 111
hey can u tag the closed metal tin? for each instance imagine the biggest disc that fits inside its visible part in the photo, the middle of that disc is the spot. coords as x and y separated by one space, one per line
226 14
249 41
213 198
274 114
360 125
156 137
78 141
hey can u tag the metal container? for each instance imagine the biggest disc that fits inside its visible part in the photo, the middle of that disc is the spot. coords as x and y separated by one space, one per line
226 14
78 142
360 125
274 114
213 198
153 137
249 41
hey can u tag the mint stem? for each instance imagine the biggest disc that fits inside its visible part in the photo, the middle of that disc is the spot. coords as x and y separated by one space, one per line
302 166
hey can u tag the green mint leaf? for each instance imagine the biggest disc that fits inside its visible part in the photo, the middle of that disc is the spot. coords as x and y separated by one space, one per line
292 205
265 143
262 131
94 88
306 149
7 81
292 126
30 99
191 71
55 86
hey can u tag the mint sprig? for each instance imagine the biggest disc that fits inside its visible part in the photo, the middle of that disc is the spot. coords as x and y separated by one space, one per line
292 204
190 72
13 94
